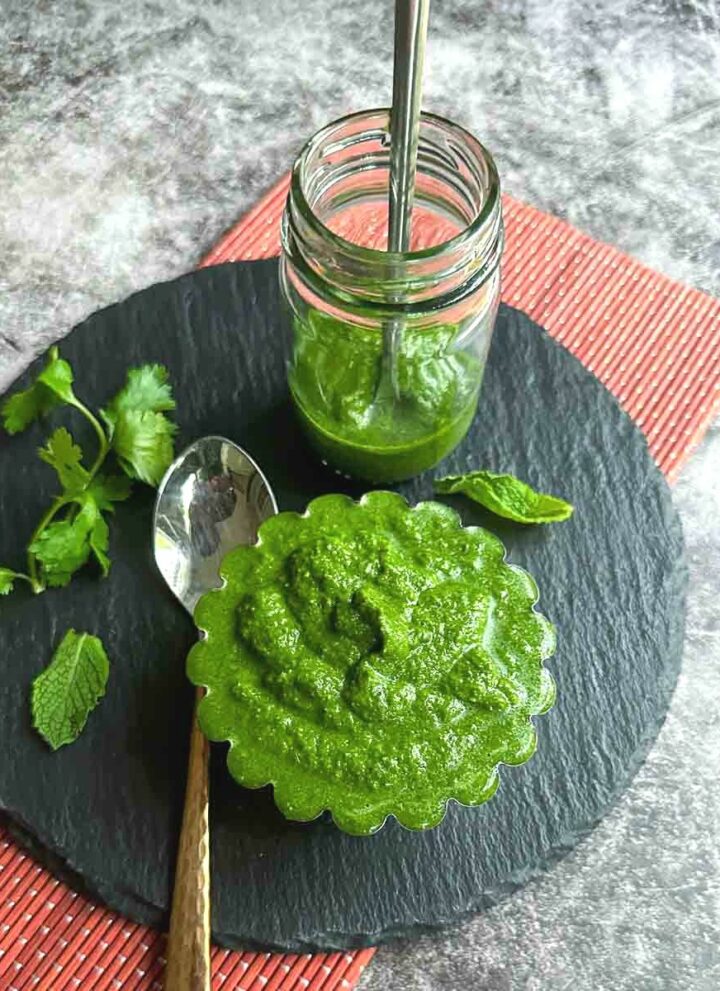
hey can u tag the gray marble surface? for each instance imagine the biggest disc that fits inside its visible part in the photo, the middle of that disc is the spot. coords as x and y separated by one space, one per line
132 134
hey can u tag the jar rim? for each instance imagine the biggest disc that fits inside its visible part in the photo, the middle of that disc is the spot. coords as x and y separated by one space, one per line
486 211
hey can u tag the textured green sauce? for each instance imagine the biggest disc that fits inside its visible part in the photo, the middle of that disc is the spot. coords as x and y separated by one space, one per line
372 659
336 380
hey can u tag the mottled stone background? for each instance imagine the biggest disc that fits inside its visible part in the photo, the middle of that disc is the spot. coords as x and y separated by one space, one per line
132 134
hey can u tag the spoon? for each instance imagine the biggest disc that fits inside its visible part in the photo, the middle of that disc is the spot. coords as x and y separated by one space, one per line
212 498
411 26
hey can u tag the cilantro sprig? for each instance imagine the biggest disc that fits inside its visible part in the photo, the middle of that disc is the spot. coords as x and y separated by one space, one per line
133 427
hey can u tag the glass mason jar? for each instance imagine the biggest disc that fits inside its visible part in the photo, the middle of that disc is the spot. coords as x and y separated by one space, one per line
389 348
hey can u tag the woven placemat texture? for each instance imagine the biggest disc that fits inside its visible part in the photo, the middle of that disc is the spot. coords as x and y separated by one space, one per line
654 343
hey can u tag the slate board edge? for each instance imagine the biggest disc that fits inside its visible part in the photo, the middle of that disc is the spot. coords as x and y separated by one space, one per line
143 912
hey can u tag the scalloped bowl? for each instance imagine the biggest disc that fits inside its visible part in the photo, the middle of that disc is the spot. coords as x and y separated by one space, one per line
372 659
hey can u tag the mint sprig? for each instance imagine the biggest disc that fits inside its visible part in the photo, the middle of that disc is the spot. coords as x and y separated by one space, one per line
506 496
133 427
66 692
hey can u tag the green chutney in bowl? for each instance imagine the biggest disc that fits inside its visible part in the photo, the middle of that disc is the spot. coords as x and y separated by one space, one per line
372 659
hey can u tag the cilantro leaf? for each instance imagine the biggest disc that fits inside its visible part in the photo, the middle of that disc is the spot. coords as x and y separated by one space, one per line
99 542
57 377
66 692
146 390
64 455
52 386
143 443
63 547
8 577
506 496
106 490
7 580
20 409
135 429
141 436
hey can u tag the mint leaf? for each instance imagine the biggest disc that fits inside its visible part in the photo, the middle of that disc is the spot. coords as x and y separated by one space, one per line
106 490
62 548
52 386
66 692
143 443
147 391
64 455
506 496
7 580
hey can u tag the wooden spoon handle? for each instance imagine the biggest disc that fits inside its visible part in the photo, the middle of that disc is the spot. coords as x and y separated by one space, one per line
188 947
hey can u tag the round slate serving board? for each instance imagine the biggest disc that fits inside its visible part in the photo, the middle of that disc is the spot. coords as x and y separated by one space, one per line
107 809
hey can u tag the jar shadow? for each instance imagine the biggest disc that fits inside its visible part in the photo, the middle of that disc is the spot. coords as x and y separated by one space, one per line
252 811
294 470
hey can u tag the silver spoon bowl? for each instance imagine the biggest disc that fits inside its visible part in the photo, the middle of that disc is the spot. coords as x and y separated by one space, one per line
212 498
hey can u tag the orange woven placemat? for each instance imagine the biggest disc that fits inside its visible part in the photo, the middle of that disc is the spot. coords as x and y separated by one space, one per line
656 345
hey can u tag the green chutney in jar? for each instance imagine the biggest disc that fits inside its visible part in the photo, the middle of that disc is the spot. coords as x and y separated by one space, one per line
389 348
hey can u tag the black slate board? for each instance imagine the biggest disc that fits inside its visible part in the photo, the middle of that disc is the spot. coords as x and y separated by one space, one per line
107 808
